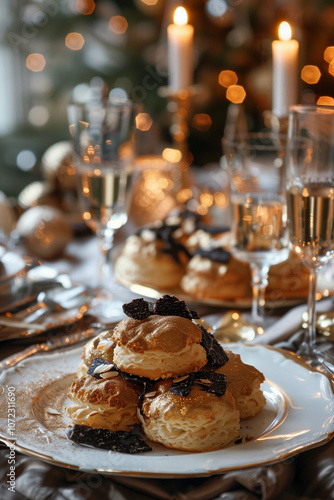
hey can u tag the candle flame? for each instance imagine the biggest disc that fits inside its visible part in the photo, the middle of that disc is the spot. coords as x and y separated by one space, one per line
180 16
284 31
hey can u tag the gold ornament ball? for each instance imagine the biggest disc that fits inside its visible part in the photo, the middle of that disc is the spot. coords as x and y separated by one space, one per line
45 231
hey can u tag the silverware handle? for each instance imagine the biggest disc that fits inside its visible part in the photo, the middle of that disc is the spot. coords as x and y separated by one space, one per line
51 345
14 359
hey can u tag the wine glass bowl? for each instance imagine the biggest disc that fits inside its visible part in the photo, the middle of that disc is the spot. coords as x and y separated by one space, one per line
103 137
310 196
259 213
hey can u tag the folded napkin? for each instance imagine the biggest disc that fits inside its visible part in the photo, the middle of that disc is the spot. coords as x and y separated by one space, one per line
284 327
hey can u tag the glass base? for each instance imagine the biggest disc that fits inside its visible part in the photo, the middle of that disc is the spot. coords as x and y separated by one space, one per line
106 308
312 356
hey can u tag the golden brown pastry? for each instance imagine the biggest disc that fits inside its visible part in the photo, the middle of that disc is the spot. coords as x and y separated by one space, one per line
152 260
206 278
158 346
244 383
109 403
100 346
288 280
198 422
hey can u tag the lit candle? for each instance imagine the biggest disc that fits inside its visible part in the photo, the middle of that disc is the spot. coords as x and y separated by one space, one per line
180 51
285 71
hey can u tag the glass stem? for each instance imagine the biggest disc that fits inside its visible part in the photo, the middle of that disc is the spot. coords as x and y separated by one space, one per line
106 240
310 341
259 285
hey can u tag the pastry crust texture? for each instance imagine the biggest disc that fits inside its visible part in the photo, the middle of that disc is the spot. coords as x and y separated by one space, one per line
158 346
199 422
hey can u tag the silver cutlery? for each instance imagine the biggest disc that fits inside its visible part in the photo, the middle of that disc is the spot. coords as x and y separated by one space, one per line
52 345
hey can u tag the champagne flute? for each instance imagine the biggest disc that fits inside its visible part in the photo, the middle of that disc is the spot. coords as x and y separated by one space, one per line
310 194
103 135
259 213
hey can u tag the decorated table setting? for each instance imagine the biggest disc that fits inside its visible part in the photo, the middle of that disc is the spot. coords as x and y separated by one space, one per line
167 330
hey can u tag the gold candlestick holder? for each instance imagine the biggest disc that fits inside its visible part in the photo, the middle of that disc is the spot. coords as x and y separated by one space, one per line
179 104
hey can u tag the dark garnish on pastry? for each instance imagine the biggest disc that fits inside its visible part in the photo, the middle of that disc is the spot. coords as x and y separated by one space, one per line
214 351
167 305
120 441
93 369
215 254
164 232
209 381
95 372
138 309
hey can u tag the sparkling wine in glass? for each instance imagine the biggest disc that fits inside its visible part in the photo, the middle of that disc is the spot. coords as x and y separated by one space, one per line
103 134
310 194
259 210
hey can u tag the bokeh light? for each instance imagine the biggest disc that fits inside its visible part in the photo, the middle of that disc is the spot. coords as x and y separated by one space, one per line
38 116
118 25
202 122
143 122
310 74
325 100
35 62
329 54
26 160
227 78
236 94
172 155
74 41
85 7
331 68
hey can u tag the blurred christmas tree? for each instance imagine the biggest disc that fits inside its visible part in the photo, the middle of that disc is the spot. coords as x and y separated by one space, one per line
54 51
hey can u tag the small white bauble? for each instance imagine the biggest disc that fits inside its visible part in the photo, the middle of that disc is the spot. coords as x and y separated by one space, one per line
45 231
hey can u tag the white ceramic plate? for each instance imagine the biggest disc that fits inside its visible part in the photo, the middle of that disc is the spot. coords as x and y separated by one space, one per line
299 414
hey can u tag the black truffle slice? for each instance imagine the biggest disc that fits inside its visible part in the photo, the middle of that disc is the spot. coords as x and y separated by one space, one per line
212 382
215 254
137 309
94 368
214 352
169 305
183 387
121 441
132 378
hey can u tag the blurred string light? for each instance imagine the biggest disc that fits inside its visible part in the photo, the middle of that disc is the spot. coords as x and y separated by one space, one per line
202 122
325 100
118 24
331 68
329 54
227 78
35 62
149 2
143 122
38 116
85 7
310 74
74 41
172 155
236 94
26 160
